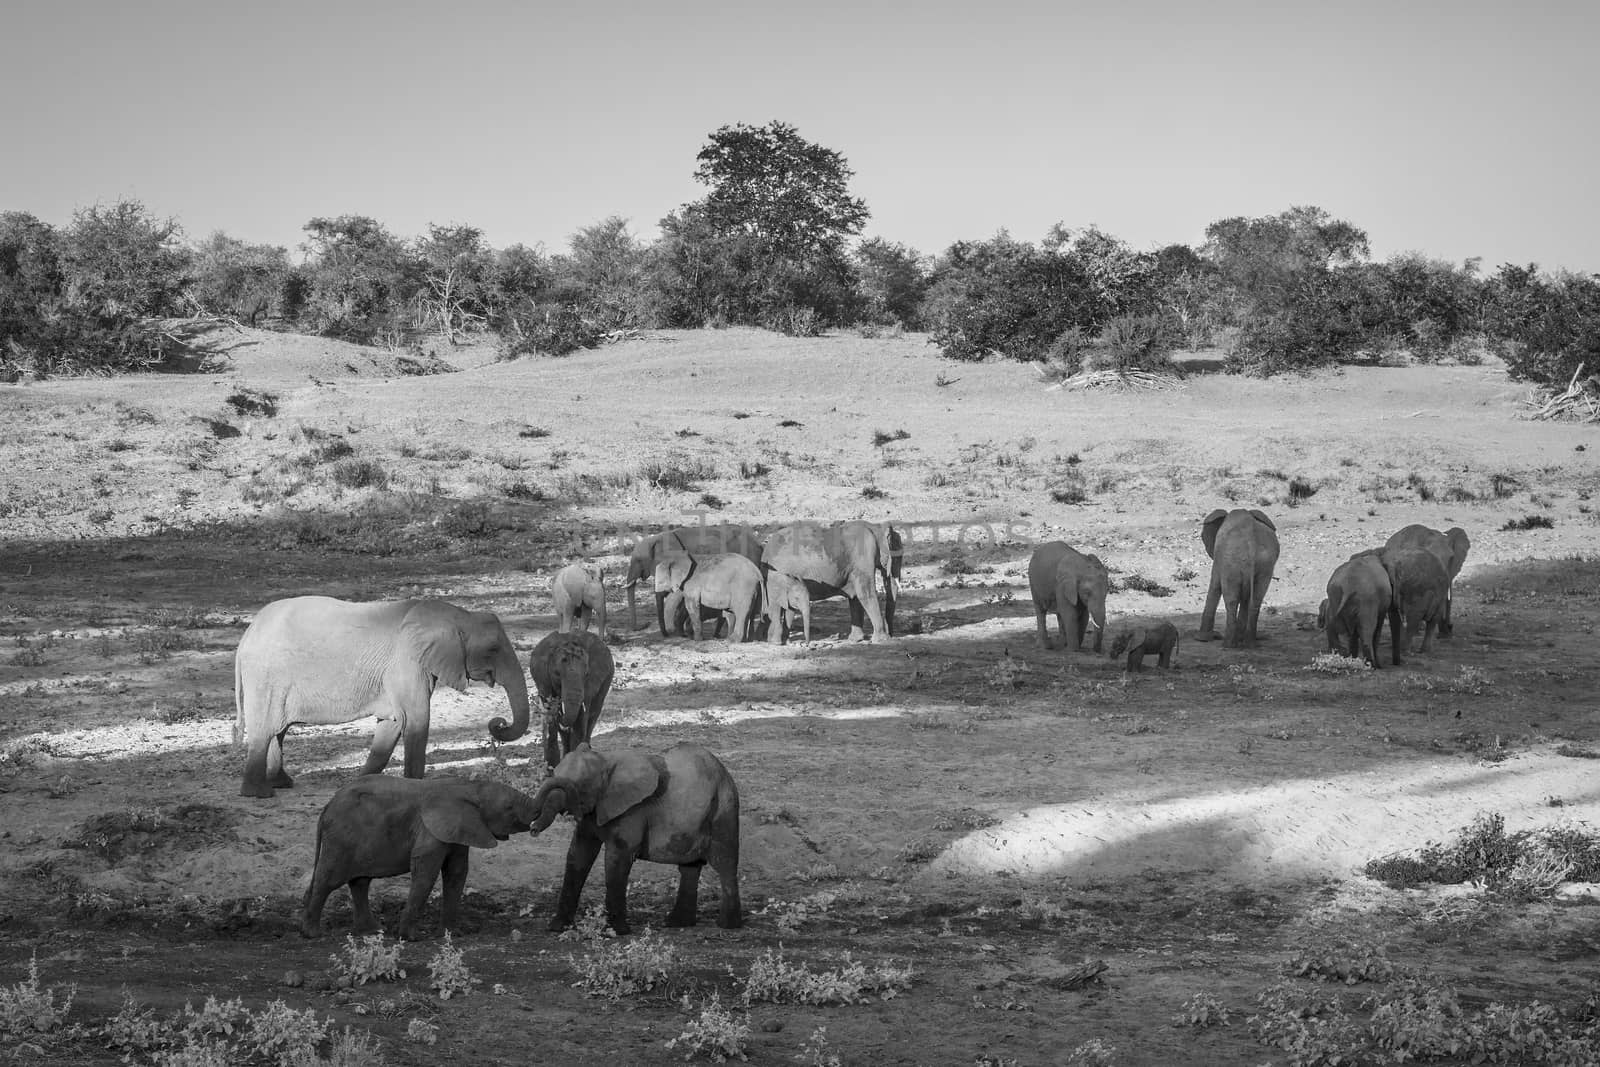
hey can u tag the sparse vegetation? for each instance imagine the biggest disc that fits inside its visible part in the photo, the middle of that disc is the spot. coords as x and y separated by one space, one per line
1530 522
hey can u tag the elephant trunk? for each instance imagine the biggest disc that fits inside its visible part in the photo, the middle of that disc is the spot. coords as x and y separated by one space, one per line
508 672
551 802
633 607
572 682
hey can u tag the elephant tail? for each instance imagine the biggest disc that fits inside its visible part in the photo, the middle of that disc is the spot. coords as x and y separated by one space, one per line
239 737
888 555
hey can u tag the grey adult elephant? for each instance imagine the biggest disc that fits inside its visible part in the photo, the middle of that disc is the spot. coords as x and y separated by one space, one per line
724 582
1449 547
1063 580
1421 593
839 560
318 660
679 807
1360 597
377 827
691 540
572 673
1243 546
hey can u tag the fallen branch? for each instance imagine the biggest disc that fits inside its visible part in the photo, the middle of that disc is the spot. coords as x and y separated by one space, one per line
1131 379
1575 401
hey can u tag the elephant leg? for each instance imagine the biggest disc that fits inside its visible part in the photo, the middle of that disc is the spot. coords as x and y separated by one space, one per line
737 621
723 856
696 625
1080 626
858 615
581 854
277 777
805 621
869 601
361 907
1044 629
1208 614
1136 660
1427 633
684 908
1231 637
424 872
416 735
1394 637
384 737
888 605
619 864
455 882
256 783
316 898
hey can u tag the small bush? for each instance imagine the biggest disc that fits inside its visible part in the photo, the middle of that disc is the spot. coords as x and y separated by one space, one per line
1140 583
774 980
618 969
715 1032
533 432
253 402
28 1008
756 469
1301 490
369 960
872 492
681 475
883 437
712 501
447 972
1334 663
1202 1010
360 474
1530 522
1348 965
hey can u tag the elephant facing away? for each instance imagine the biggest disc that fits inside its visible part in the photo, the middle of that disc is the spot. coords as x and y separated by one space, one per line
572 674
1065 581
1421 592
1360 595
1243 546
787 598
724 582
578 598
840 560
1451 549
317 660
690 540
379 826
679 807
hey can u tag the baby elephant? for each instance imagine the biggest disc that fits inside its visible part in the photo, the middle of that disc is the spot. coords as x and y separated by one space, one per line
1158 640
679 807
725 582
578 597
378 826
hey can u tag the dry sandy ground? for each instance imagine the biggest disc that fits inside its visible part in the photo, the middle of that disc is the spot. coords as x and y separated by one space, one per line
992 812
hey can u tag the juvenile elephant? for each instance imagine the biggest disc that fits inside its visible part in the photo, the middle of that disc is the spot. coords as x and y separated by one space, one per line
572 674
840 560
1062 580
1243 546
1421 592
380 826
1451 549
690 540
1160 640
678 807
578 597
725 582
786 598
314 659
1360 595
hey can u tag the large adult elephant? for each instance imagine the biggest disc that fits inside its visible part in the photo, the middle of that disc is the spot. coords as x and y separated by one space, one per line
1449 547
840 560
1421 592
1243 546
1063 580
650 551
318 660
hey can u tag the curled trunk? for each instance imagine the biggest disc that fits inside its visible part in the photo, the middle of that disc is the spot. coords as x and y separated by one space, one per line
508 672
551 802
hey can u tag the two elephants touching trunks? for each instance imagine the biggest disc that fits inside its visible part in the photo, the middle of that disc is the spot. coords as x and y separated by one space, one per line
680 806
318 660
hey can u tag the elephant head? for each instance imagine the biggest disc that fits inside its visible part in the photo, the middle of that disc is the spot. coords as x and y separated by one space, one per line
453 646
586 783
570 666
478 814
1127 639
1213 522
641 561
1083 589
673 571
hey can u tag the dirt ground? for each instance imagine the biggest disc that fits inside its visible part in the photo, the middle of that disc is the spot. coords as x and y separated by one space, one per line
994 814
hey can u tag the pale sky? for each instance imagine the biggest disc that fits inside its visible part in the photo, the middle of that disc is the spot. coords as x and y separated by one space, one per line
1457 129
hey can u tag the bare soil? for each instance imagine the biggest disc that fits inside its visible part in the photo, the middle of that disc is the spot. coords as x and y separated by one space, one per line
993 813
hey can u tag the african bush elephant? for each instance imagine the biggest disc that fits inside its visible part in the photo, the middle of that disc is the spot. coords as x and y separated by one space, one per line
1360 595
1159 640
572 674
1243 546
725 582
1061 580
692 540
786 598
840 560
578 597
1451 549
380 826
678 807
314 659
1421 592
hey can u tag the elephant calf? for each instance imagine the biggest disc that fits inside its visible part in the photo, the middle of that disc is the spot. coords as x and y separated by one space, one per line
1160 640
725 582
578 597
680 807
572 673
380 826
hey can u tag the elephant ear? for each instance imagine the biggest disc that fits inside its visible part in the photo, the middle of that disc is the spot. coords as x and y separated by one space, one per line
457 821
435 638
631 780
1135 639
1208 530
1261 517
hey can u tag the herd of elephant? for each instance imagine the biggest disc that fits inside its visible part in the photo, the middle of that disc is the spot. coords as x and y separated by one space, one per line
319 660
